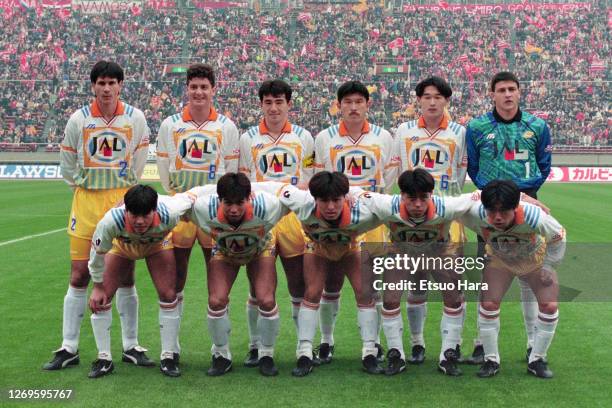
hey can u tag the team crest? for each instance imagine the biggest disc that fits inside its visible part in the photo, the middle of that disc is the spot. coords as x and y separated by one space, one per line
106 147
528 134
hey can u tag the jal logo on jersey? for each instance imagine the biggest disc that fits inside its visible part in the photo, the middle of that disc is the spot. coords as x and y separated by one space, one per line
196 150
430 156
106 147
357 164
238 243
415 236
277 162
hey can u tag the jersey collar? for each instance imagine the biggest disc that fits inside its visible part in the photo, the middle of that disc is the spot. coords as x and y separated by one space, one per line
345 216
344 131
97 113
443 123
517 118
263 128
212 116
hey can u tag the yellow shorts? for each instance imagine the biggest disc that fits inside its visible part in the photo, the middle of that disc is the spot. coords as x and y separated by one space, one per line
332 252
517 266
378 234
88 208
289 236
185 234
269 250
140 251
457 233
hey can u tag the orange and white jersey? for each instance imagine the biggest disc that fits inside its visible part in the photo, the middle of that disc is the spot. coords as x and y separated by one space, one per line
191 154
288 159
99 155
114 225
532 228
263 212
432 228
442 153
369 162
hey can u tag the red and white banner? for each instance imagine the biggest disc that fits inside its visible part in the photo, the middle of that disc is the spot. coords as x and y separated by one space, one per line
580 175
497 8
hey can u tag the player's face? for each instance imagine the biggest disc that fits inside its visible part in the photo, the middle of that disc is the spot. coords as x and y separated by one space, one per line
416 205
432 103
107 90
200 93
354 108
500 219
234 211
330 208
140 223
506 96
275 109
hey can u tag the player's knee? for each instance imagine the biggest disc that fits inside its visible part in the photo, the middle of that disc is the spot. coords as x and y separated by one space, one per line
79 277
267 304
167 295
217 302
312 296
548 307
391 305
490 305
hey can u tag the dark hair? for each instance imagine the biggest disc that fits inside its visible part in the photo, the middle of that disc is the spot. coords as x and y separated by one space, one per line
108 69
502 193
504 76
275 88
140 199
234 187
439 83
199 70
417 181
353 87
326 185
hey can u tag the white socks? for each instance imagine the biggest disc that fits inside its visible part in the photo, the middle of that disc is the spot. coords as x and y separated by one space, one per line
451 327
268 325
127 306
330 304
529 303
252 312
101 323
417 312
488 321
367 316
307 328
544 333
169 323
219 327
75 302
393 326
295 310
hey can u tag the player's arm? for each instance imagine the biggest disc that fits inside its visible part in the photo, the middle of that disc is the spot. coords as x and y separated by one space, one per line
101 243
68 151
163 159
203 211
457 207
141 133
544 154
473 155
275 210
381 205
461 161
556 240
308 159
321 153
231 147
296 200
391 167
246 161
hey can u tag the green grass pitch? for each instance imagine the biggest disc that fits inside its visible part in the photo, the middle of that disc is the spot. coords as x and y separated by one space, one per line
34 276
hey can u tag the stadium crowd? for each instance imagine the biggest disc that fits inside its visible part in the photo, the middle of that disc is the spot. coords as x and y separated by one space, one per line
561 58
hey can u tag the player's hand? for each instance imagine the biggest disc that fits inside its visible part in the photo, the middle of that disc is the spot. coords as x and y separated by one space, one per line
97 299
533 201
547 276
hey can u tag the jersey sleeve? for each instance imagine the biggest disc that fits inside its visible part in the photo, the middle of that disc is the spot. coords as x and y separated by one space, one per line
298 201
457 207
473 155
544 154
308 160
163 160
321 152
391 167
381 205
141 151
204 210
462 159
231 148
554 234
107 229
246 161
69 150
273 209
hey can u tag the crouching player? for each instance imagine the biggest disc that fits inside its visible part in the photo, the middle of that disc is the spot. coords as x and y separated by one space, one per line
419 223
240 223
140 228
522 240
333 225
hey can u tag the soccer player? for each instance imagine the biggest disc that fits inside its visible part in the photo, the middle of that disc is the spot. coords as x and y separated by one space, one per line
195 147
140 228
103 154
521 240
334 224
421 222
364 153
240 224
508 143
435 144
277 150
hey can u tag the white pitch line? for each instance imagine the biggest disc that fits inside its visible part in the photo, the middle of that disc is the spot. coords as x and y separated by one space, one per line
12 241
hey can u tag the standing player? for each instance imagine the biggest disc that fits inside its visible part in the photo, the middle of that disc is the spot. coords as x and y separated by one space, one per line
195 147
103 153
509 144
240 224
138 229
277 150
364 153
521 240
437 145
